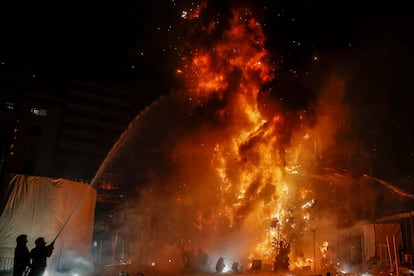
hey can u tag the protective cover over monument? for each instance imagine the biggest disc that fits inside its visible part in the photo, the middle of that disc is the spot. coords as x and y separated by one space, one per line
49 208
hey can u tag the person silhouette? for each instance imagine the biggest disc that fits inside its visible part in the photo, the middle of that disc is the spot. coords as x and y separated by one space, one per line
220 265
38 255
21 259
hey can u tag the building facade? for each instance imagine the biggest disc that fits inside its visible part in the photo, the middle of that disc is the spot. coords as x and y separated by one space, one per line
65 131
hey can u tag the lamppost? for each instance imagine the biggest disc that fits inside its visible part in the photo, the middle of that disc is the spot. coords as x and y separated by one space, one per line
314 251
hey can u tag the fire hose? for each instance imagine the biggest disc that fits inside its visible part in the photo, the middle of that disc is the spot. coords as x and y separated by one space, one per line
72 212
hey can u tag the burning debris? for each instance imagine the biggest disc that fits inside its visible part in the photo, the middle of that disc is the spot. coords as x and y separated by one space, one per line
282 249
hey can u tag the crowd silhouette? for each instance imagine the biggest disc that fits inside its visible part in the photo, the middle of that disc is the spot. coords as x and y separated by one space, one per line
33 262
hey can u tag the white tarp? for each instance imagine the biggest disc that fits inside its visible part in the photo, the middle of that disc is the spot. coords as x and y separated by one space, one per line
40 206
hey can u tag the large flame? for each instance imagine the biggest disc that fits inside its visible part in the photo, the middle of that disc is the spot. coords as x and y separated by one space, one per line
241 171
247 151
237 172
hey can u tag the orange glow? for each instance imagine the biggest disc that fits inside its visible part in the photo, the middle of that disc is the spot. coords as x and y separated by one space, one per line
195 13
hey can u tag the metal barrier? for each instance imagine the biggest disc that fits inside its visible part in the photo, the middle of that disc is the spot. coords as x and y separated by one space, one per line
6 263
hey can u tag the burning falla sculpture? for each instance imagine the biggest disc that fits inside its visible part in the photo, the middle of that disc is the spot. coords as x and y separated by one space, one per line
222 165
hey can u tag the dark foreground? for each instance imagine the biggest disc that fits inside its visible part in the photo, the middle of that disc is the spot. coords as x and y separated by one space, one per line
403 271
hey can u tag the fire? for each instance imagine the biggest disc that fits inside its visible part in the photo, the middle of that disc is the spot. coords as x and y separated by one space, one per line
235 170
249 158
210 72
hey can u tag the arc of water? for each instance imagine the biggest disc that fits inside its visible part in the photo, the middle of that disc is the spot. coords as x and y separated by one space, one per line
391 187
119 142
111 153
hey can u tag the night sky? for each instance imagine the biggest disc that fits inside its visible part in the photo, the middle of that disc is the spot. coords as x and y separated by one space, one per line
131 42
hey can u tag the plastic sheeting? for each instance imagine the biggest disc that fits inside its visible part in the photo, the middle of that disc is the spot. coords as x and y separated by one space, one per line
45 207
376 235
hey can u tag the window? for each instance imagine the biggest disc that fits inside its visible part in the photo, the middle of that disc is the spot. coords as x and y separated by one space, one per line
38 111
8 105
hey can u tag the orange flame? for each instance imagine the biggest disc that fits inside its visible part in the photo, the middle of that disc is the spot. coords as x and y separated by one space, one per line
233 72
237 182
210 72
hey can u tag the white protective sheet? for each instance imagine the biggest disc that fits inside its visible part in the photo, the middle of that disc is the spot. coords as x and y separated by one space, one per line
40 206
